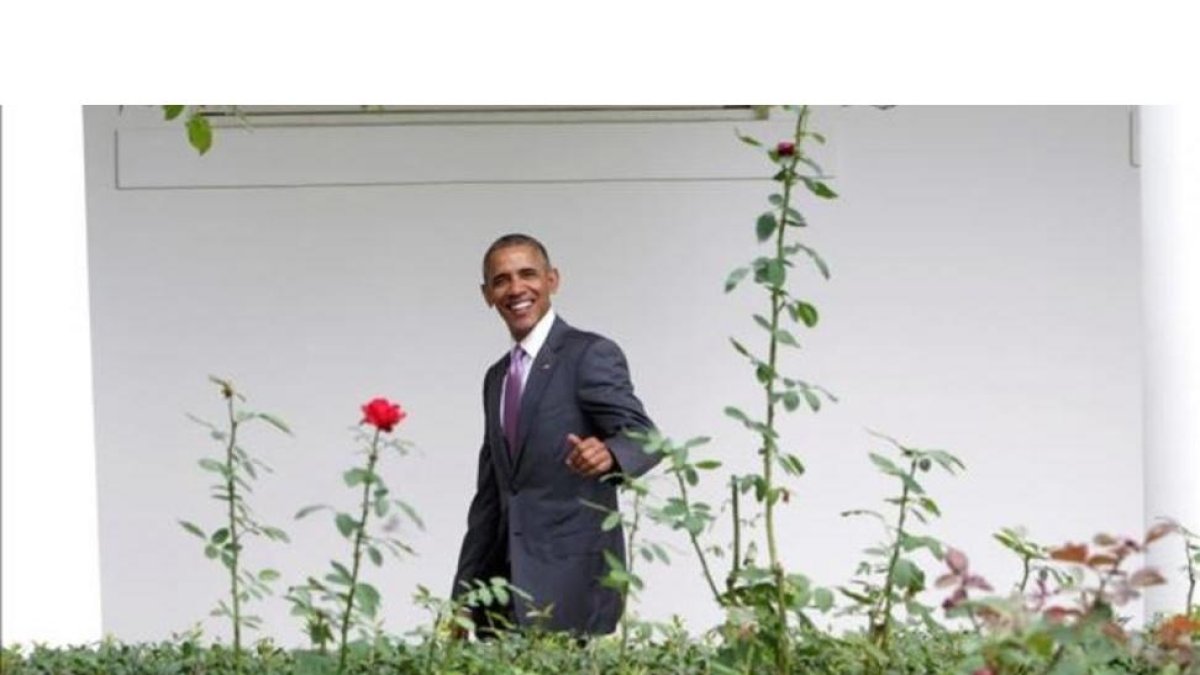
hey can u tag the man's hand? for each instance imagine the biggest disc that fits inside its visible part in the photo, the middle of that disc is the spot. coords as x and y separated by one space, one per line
589 457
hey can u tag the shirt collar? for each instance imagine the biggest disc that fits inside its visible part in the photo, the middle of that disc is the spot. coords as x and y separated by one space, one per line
533 342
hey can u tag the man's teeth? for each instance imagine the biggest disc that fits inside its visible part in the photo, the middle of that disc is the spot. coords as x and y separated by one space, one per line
526 304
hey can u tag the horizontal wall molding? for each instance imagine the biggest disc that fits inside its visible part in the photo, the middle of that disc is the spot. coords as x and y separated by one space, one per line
351 155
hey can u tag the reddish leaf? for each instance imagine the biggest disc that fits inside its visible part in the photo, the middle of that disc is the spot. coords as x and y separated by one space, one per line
1059 614
976 581
956 560
957 597
1147 576
1100 559
1115 632
1077 553
946 580
1128 546
1161 530
1176 631
1104 540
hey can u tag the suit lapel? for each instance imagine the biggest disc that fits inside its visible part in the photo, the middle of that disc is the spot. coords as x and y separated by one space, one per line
535 386
495 381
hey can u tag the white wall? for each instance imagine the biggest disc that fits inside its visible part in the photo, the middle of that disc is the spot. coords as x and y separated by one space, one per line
985 299
1170 209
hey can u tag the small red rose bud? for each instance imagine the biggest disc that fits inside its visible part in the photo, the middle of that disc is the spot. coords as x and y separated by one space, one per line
785 149
382 414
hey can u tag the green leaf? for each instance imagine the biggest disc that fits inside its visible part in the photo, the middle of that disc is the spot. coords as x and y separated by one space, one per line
817 259
342 574
886 465
773 273
818 188
733 412
762 372
369 597
748 140
691 476
765 226
268 575
791 464
275 422
220 536
775 199
708 464
811 398
410 512
791 400
357 476
611 521
375 556
213 465
275 534
908 576
199 132
191 527
784 337
170 112
946 460
910 542
929 505
811 164
735 278
309 509
762 321
805 312
211 551
822 599
345 524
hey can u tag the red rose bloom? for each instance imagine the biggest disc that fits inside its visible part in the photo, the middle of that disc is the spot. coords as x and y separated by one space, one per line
785 149
382 414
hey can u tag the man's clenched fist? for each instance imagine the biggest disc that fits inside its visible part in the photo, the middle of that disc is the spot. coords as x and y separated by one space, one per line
589 456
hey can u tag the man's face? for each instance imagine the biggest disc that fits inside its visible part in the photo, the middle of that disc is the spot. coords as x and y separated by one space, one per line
519 283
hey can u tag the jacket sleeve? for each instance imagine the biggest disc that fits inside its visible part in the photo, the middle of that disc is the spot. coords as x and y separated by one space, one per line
606 397
483 525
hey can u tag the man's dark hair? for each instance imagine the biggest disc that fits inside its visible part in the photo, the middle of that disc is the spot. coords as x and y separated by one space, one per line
514 239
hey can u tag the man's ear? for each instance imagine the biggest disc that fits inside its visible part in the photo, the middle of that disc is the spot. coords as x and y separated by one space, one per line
552 277
483 290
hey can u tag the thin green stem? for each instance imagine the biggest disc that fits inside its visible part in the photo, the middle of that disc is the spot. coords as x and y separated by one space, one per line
234 537
630 558
1025 564
1188 552
696 542
429 653
737 537
769 445
358 540
889 581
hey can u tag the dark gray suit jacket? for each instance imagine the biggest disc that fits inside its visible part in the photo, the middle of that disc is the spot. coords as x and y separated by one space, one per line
527 517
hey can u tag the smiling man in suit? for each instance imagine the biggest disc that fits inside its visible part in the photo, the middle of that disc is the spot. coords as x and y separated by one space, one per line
556 409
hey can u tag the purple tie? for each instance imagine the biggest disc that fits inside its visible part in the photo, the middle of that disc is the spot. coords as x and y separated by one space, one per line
513 386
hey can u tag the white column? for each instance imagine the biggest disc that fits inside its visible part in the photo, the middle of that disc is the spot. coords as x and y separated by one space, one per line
51 569
1170 176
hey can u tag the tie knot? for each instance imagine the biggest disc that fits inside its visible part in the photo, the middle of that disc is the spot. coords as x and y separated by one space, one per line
517 359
